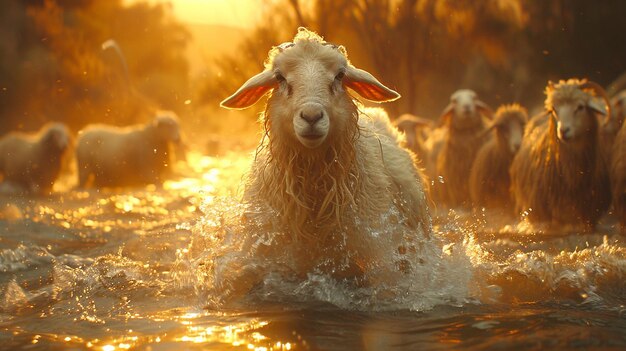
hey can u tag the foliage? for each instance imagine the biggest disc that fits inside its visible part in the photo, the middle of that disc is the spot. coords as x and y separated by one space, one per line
504 49
58 70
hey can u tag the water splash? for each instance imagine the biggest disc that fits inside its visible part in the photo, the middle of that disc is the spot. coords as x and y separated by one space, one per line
236 255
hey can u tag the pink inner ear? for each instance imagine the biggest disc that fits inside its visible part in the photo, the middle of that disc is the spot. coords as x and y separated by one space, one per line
370 91
246 98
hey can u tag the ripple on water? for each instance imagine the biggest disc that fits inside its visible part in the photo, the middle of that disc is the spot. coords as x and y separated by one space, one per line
140 268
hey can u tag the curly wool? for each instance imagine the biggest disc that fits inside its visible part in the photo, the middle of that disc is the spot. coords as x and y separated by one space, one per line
548 175
489 178
311 189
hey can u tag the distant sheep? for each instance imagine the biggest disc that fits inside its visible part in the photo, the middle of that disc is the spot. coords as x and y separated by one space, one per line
329 172
613 123
618 176
464 121
415 130
559 174
110 156
32 162
489 178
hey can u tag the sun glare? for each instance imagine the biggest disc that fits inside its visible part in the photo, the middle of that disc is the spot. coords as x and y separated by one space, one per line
235 13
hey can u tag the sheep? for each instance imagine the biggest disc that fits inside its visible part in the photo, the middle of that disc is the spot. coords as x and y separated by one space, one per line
489 179
618 176
32 162
415 130
328 172
559 175
109 156
464 135
612 125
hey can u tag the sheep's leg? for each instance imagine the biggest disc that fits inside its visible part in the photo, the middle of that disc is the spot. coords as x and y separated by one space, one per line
83 176
234 279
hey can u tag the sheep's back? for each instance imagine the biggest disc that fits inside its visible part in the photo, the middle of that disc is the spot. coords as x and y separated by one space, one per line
531 175
16 154
454 164
106 145
120 156
489 176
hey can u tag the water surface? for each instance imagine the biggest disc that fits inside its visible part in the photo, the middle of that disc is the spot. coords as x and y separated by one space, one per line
135 269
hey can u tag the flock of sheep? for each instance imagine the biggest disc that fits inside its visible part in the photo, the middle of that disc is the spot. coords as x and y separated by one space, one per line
106 156
330 173
325 158
563 166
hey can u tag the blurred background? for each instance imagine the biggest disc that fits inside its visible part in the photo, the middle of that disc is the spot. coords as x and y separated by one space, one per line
187 55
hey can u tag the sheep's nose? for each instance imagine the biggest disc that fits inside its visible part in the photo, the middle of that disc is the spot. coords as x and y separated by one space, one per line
311 114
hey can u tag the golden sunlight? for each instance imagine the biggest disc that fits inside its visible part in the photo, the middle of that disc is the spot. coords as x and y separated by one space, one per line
234 13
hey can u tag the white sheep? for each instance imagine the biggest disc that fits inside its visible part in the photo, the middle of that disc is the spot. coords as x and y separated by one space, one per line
110 156
32 162
559 174
464 122
329 173
489 178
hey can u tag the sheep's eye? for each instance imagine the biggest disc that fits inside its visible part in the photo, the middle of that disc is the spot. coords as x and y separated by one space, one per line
279 77
579 108
340 76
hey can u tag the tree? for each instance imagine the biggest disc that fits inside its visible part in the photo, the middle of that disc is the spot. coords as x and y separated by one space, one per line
422 48
59 71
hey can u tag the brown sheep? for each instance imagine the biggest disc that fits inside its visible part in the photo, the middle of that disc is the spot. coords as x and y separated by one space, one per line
618 176
489 177
559 174
32 162
613 124
137 155
465 126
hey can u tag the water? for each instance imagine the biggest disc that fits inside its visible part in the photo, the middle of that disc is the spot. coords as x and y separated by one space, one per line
150 269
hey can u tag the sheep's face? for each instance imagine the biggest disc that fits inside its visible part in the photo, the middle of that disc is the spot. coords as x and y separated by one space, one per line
308 79
618 113
574 108
167 128
462 112
464 101
57 137
573 119
512 133
310 102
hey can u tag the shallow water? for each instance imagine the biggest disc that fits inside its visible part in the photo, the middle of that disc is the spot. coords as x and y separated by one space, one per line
136 269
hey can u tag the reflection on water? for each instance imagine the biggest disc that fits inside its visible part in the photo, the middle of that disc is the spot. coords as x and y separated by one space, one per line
136 269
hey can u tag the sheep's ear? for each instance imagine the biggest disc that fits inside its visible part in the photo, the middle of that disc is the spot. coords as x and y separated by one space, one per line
367 86
446 114
251 91
597 107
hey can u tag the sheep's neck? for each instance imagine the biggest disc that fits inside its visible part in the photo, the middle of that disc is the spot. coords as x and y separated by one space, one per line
151 135
48 153
458 137
315 189
503 148
578 155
